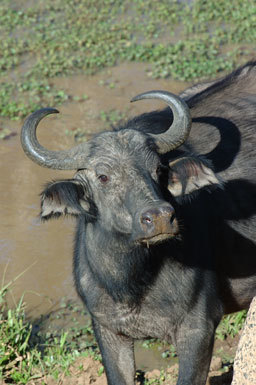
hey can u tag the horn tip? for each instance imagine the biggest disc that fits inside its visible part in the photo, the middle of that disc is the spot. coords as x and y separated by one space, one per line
51 110
44 111
133 99
153 94
137 97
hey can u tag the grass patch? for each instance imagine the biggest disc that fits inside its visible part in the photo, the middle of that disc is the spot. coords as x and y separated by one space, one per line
17 360
112 118
29 352
231 324
60 38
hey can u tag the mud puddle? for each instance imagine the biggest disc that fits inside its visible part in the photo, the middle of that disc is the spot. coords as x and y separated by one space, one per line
44 250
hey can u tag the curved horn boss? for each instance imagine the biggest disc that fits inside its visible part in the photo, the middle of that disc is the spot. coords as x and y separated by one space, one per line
61 160
179 130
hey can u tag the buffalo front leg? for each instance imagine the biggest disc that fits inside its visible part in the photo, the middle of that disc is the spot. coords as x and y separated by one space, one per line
117 355
194 345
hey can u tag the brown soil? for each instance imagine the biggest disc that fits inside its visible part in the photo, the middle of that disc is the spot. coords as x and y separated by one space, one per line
85 371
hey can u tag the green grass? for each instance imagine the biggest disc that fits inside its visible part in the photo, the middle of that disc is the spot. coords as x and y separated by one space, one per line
26 354
61 38
231 325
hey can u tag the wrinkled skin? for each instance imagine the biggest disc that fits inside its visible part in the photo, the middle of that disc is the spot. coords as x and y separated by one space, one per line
165 244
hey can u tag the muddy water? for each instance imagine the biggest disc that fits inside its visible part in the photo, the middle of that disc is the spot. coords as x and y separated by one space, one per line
46 248
25 242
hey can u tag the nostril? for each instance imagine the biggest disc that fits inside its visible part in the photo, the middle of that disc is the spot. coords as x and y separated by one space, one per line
146 219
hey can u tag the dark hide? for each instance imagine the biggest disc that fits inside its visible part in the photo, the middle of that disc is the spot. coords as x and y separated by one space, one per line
176 284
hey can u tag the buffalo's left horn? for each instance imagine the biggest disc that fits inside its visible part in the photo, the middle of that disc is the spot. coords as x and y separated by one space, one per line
178 132
62 160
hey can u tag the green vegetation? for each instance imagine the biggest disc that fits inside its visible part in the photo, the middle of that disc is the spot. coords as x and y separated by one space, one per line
112 117
157 381
184 40
27 353
231 325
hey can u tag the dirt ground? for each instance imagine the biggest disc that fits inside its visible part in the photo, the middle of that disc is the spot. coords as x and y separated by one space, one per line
85 371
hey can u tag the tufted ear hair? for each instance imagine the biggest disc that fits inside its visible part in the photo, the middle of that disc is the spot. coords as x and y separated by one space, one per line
188 174
64 197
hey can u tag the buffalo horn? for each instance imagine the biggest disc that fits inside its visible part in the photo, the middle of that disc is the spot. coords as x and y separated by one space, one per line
178 132
62 160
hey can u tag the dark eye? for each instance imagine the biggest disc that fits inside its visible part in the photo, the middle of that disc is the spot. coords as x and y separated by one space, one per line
103 178
162 173
159 171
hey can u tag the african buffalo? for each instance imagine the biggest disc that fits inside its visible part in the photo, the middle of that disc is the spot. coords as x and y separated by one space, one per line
166 221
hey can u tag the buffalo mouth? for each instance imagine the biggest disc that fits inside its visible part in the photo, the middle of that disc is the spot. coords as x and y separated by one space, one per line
157 238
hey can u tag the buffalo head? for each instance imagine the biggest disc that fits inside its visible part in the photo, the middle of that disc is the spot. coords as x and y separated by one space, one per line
120 182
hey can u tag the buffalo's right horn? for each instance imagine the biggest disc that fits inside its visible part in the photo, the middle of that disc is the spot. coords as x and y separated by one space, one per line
178 132
72 159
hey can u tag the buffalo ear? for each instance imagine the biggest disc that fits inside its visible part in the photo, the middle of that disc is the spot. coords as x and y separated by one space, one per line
189 174
63 197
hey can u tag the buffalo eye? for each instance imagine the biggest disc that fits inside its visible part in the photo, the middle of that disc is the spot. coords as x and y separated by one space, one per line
159 171
103 178
162 174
